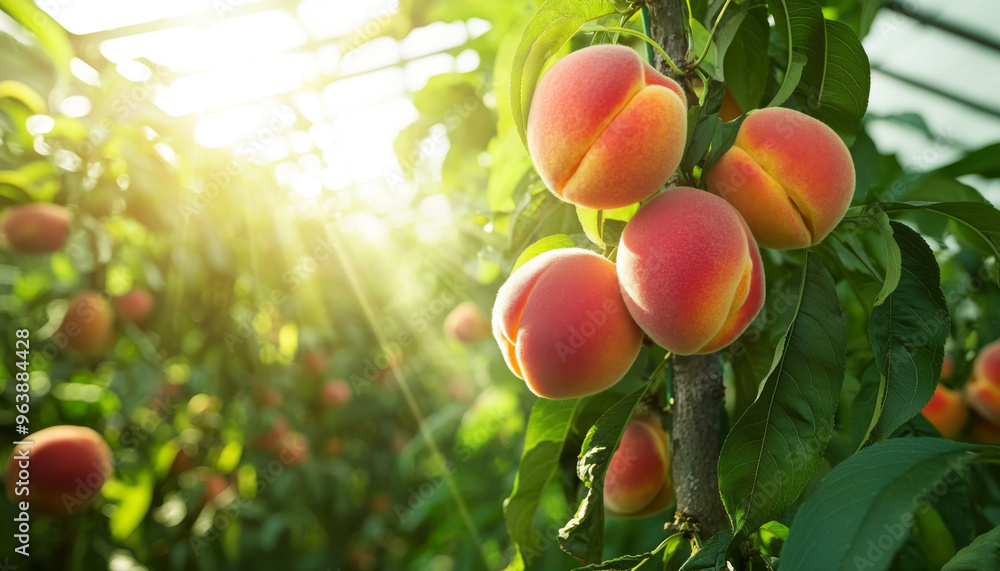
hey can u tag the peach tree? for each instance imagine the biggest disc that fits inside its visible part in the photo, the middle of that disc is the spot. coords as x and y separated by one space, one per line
742 321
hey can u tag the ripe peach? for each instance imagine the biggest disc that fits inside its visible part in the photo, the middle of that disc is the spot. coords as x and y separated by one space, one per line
88 325
690 271
293 449
789 175
562 325
984 432
266 395
947 412
730 108
983 389
65 468
336 393
605 129
466 323
135 305
275 434
637 482
314 362
37 228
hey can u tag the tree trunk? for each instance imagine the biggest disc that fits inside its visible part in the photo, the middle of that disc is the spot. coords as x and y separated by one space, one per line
698 390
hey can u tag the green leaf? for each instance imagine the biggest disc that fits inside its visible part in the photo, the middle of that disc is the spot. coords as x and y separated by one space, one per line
908 333
626 562
583 535
774 448
50 34
548 426
134 503
529 217
982 218
712 554
981 161
511 171
893 259
705 126
746 63
836 79
592 222
860 514
551 26
983 553
792 75
547 243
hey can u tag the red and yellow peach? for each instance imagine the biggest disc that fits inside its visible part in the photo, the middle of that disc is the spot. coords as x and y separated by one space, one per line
789 175
983 389
947 412
690 271
65 468
562 325
637 482
605 129
135 305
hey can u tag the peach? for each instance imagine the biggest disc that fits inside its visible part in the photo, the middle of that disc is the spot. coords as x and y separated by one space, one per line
789 175
37 228
690 271
947 412
135 305
293 449
466 323
275 434
637 482
730 108
314 362
336 393
65 468
983 389
984 432
605 129
88 324
266 395
562 325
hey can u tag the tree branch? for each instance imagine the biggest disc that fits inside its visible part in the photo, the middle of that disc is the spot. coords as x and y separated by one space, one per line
698 390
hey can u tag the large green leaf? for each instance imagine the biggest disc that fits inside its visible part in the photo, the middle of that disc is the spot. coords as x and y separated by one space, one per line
893 259
746 62
983 553
583 535
548 426
547 243
982 218
980 161
592 222
908 333
836 79
774 448
551 26
860 514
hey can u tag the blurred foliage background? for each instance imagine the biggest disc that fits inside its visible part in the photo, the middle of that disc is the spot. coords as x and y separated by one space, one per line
301 218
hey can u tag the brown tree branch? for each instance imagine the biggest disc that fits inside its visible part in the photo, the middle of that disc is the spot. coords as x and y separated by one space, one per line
698 389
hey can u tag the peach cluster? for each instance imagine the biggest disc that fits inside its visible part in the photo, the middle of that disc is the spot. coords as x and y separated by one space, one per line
789 175
605 129
947 409
637 482
64 468
983 389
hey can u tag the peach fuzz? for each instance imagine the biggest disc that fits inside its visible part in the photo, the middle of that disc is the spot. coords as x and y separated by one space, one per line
466 323
135 305
37 228
983 389
947 412
605 129
66 467
562 325
789 175
637 482
88 325
690 271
